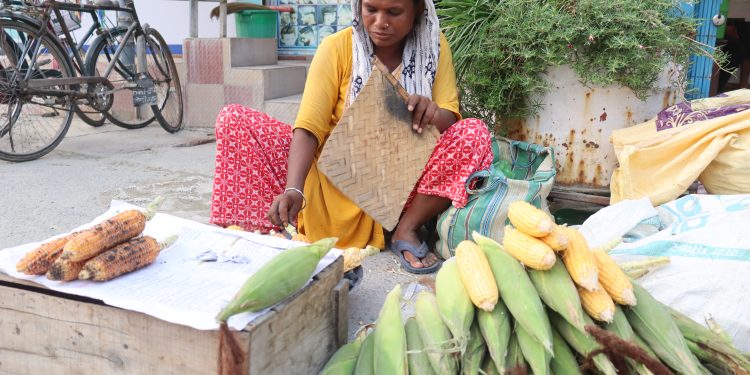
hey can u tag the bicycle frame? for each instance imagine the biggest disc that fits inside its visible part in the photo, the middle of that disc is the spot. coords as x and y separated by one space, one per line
36 85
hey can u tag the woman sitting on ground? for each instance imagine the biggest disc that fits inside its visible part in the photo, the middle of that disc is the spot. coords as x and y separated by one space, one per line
266 172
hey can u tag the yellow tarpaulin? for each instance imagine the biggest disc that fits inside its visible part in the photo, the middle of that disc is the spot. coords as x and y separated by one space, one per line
706 140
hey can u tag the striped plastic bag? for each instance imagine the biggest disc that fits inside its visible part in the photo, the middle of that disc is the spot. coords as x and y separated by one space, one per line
519 171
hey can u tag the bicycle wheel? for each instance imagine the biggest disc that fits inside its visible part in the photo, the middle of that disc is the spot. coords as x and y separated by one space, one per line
168 90
90 116
123 75
31 125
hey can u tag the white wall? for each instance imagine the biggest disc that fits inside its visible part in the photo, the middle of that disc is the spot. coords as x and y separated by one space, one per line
172 19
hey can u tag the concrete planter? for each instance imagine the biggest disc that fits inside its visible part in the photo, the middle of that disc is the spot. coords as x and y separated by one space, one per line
577 122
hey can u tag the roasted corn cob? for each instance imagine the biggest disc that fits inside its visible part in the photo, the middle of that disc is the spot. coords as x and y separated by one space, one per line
476 275
64 270
117 229
529 219
531 251
38 261
123 258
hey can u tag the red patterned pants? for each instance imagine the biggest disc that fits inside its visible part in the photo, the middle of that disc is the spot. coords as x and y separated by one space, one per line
251 165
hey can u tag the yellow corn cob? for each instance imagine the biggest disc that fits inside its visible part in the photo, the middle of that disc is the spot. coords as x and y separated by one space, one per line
123 258
278 279
390 337
557 239
353 257
614 280
476 275
38 261
234 227
579 261
64 270
529 219
598 304
531 251
117 229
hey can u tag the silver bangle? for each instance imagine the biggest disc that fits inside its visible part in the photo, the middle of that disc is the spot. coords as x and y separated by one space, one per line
304 200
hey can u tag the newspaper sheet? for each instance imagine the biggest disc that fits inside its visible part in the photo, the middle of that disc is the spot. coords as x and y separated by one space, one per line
189 282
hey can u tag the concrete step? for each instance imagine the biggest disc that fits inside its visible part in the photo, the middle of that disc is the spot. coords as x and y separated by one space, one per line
283 109
279 80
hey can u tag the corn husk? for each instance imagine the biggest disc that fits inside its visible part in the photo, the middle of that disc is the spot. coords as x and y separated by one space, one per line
471 360
514 361
517 291
582 342
564 361
442 351
366 360
454 303
654 324
495 327
533 352
559 293
283 275
390 337
344 360
419 364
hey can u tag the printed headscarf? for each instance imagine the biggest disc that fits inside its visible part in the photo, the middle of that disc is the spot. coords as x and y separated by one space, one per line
420 57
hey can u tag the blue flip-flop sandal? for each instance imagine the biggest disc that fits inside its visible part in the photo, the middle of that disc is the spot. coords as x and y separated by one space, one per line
398 247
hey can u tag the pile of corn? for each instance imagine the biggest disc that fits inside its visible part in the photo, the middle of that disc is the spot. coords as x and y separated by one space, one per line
525 306
109 249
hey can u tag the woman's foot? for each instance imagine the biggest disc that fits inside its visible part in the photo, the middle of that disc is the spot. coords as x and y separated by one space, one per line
411 237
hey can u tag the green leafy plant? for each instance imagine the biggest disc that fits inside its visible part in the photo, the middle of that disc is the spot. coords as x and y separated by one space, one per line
503 47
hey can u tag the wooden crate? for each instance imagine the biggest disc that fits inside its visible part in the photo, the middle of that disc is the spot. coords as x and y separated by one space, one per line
47 332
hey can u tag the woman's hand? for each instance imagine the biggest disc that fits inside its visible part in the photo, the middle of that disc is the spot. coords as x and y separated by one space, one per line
423 112
285 208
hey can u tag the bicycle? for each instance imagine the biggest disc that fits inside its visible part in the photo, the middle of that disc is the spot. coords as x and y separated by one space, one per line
39 75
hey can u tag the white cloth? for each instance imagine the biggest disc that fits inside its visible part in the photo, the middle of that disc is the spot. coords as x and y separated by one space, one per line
420 58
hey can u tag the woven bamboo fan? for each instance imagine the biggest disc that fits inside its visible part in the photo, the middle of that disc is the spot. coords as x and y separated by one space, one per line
373 156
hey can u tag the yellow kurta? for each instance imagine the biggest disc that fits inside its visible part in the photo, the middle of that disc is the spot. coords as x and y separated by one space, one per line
329 212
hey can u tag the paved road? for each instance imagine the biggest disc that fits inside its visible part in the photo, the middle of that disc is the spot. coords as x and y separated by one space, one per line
76 182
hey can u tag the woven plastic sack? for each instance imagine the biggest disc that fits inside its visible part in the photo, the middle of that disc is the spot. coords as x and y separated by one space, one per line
706 139
519 171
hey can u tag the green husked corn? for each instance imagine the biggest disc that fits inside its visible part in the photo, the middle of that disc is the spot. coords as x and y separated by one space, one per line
419 364
517 291
489 368
366 360
453 300
344 360
533 352
559 293
390 337
564 361
278 279
441 349
717 364
471 360
623 330
495 328
653 323
699 334
514 362
582 342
